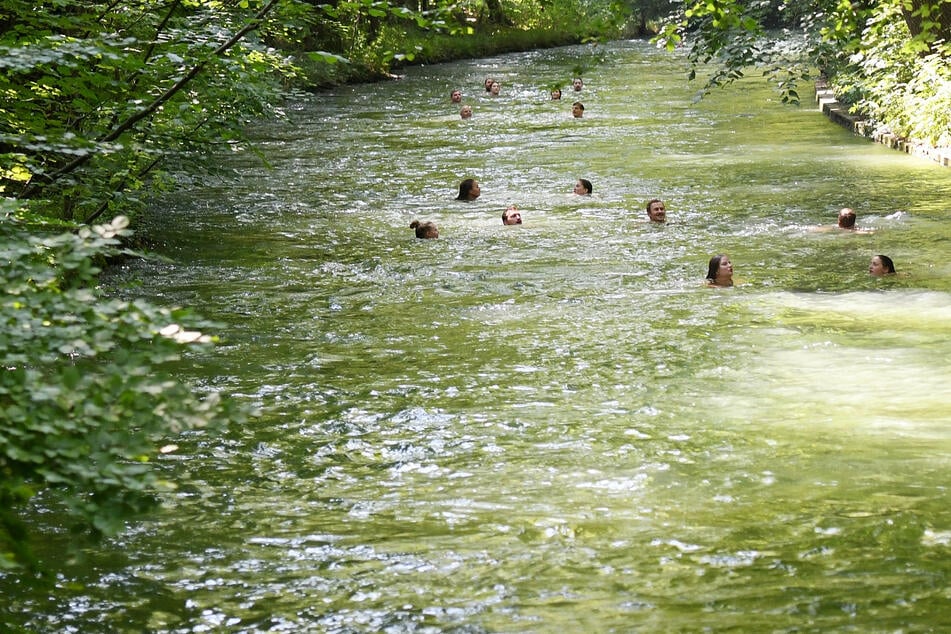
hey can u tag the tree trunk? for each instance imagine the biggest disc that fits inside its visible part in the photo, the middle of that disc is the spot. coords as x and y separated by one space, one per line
495 14
941 13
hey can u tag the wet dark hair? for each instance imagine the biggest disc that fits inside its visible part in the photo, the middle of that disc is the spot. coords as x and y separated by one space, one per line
587 184
887 263
578 103
714 267
651 202
464 188
425 229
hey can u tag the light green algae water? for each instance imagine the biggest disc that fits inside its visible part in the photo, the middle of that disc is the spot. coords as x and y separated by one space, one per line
553 427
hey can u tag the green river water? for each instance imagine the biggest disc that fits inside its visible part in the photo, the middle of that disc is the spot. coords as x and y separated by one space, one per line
552 427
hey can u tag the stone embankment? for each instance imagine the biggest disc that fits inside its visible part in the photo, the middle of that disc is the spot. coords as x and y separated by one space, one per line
841 115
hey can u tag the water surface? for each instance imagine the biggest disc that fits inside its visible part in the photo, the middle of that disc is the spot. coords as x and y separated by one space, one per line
551 427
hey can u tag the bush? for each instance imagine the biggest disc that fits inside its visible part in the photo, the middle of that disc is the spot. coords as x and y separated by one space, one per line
85 402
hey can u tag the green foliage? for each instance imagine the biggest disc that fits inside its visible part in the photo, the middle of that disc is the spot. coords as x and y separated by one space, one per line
372 38
95 96
890 59
84 398
909 93
368 35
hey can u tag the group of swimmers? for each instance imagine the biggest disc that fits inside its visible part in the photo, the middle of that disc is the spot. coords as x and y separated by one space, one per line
719 269
493 88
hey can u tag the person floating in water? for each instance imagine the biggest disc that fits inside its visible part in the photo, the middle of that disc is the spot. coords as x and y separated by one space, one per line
846 218
583 187
844 222
488 83
495 89
556 94
577 84
511 216
469 190
466 112
880 266
720 271
656 210
577 110
455 96
425 230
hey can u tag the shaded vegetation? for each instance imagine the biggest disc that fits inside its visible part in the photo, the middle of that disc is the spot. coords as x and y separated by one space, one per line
85 402
890 60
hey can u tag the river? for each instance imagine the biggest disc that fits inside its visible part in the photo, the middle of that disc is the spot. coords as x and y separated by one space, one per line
552 427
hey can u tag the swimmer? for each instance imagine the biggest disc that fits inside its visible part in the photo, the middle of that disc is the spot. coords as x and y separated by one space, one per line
425 230
511 216
577 84
556 94
880 266
495 89
577 110
488 83
656 210
455 96
720 271
846 218
469 190
466 112
583 187
844 222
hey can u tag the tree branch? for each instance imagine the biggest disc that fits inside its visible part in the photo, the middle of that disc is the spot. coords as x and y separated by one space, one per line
132 121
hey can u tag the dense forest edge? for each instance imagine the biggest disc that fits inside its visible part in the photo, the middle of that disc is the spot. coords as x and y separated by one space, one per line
99 98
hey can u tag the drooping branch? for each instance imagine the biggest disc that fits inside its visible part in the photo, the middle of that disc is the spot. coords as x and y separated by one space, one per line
146 112
125 179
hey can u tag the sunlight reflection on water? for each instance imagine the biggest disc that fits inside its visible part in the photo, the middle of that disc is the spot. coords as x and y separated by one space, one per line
554 426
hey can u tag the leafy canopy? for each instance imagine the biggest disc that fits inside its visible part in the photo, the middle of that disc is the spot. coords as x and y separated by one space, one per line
891 59
95 95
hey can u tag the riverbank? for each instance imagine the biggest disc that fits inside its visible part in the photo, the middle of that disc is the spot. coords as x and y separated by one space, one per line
839 113
428 48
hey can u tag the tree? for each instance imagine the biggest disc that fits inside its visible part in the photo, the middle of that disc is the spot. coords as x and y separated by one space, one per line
97 94
85 394
891 59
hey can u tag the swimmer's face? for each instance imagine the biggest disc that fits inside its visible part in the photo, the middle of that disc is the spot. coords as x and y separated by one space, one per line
475 191
577 84
580 189
495 88
657 212
577 111
876 268
455 96
726 268
466 112
556 94
512 217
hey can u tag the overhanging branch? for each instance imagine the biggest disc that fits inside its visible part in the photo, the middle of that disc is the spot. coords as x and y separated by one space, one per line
149 110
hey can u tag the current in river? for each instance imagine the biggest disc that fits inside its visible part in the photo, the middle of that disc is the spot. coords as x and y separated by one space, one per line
551 427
